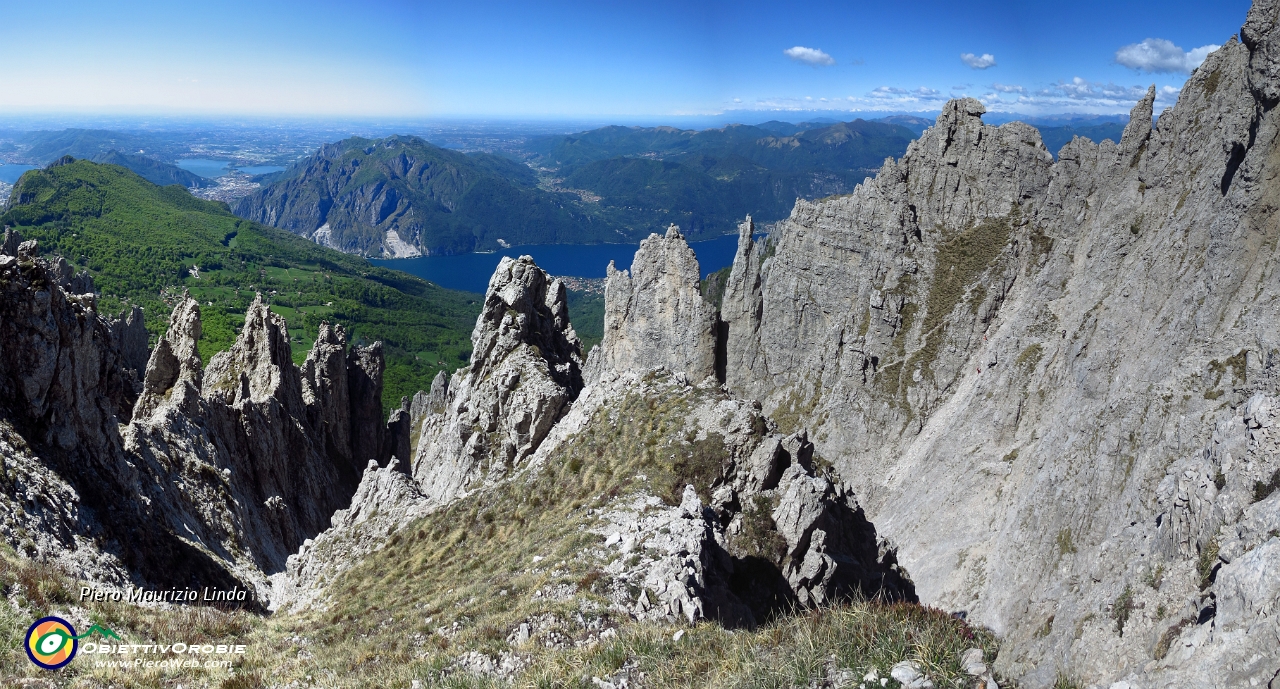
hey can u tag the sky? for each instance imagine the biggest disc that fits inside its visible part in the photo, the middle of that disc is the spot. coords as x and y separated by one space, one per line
546 60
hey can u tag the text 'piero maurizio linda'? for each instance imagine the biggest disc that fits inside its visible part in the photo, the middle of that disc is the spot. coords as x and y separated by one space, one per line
140 595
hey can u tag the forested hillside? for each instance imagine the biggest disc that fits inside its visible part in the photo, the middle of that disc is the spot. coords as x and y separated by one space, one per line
145 244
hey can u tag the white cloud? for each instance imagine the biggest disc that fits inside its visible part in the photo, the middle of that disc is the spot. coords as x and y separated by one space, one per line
1160 55
895 92
809 56
1081 89
982 61
1007 88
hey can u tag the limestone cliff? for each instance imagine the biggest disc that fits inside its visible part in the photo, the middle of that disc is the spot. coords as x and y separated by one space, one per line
1056 354
204 477
655 314
526 367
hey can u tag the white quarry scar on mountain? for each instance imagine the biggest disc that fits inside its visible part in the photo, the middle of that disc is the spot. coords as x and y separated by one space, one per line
395 247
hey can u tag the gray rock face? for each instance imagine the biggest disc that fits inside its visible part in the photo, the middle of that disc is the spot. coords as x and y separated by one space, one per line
655 315
326 392
386 500
62 398
397 442
365 366
207 478
1057 352
525 370
131 334
257 458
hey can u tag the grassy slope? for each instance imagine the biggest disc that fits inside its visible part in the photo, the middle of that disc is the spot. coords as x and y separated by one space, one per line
462 580
140 241
791 651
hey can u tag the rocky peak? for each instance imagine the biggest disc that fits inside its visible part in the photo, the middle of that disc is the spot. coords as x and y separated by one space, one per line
326 391
741 308
1138 130
525 369
174 363
958 128
1260 36
259 366
9 245
130 333
655 314
524 307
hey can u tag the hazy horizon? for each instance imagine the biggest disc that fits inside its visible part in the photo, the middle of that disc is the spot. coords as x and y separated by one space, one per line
566 61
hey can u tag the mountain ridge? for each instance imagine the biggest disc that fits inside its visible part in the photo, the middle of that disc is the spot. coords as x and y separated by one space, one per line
401 196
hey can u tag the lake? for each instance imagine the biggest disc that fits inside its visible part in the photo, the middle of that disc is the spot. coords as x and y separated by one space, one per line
10 172
471 272
213 169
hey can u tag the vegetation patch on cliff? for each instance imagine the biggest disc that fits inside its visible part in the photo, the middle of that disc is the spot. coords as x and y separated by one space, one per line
961 259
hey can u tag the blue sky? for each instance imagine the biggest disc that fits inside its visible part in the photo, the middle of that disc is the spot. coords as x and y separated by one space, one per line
474 58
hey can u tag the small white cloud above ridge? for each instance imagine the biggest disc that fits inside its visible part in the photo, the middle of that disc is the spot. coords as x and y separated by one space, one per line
906 94
809 56
1007 88
982 61
1157 55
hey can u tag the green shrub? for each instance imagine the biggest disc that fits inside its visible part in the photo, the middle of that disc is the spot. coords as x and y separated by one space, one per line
1261 491
1122 609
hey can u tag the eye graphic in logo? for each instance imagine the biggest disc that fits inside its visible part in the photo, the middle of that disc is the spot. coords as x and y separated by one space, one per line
51 642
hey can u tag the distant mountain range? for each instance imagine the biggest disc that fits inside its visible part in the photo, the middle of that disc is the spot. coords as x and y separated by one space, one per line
401 196
47 146
138 153
153 170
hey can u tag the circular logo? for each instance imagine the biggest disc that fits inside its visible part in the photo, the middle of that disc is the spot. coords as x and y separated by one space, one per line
51 642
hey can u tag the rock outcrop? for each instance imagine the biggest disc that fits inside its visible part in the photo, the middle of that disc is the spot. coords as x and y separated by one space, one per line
130 333
761 527
764 533
1053 351
187 477
386 500
655 314
62 397
526 367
